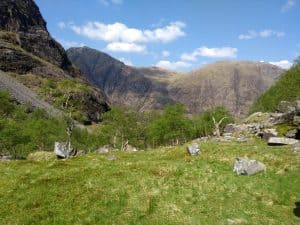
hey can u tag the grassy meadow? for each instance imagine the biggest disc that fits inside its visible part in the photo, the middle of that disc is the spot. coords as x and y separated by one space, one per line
161 186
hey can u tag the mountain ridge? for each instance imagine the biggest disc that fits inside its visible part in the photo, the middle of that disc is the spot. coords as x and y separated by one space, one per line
233 84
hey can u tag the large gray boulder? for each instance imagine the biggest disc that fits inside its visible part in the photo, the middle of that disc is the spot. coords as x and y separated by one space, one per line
63 151
193 149
281 141
243 166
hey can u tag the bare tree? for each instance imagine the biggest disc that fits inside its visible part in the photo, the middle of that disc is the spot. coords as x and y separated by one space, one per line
217 126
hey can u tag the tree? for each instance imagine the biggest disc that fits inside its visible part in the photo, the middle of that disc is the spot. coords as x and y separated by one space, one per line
171 127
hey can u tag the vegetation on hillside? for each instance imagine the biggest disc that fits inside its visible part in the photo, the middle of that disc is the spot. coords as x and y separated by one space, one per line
164 186
287 88
22 131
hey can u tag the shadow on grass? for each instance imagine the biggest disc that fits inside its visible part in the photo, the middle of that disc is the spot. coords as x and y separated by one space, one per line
297 209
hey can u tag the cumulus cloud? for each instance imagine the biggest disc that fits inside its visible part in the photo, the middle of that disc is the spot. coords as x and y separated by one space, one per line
284 64
165 53
288 5
224 52
119 32
251 34
125 47
178 65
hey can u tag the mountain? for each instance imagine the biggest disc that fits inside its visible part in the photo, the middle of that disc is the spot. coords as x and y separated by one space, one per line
31 55
124 85
286 88
233 84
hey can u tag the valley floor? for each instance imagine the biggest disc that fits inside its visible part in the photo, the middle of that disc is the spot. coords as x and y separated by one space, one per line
163 186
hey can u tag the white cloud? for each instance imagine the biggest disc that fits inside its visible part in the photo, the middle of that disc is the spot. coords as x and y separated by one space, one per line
61 25
109 2
224 52
126 61
288 5
69 44
179 65
262 34
125 47
119 32
165 53
285 64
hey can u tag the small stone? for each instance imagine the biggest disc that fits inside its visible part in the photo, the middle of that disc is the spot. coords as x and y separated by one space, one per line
193 149
296 120
5 157
267 133
243 166
111 158
104 150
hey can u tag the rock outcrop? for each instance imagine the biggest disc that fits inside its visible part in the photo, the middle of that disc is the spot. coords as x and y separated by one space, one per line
26 47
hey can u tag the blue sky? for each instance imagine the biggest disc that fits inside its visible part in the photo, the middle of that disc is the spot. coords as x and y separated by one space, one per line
179 34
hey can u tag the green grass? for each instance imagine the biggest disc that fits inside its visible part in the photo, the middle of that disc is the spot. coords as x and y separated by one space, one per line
163 186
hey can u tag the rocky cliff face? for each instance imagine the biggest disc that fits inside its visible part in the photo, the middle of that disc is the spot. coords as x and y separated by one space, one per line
234 85
22 19
26 47
123 84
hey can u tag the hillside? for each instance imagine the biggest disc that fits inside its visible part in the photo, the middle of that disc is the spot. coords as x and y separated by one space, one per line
31 55
124 85
163 186
234 85
287 88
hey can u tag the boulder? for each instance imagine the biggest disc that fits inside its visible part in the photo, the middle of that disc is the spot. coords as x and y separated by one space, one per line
267 133
285 107
104 149
243 166
279 118
296 120
193 149
292 133
5 157
62 150
281 141
130 148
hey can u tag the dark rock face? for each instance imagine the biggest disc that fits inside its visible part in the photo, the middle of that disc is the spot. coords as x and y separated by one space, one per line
23 18
26 47
123 84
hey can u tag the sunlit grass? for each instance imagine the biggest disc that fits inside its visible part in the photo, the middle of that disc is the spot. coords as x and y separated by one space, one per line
163 186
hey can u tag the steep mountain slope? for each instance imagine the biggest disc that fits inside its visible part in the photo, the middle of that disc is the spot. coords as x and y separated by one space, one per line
140 88
233 84
29 53
287 88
